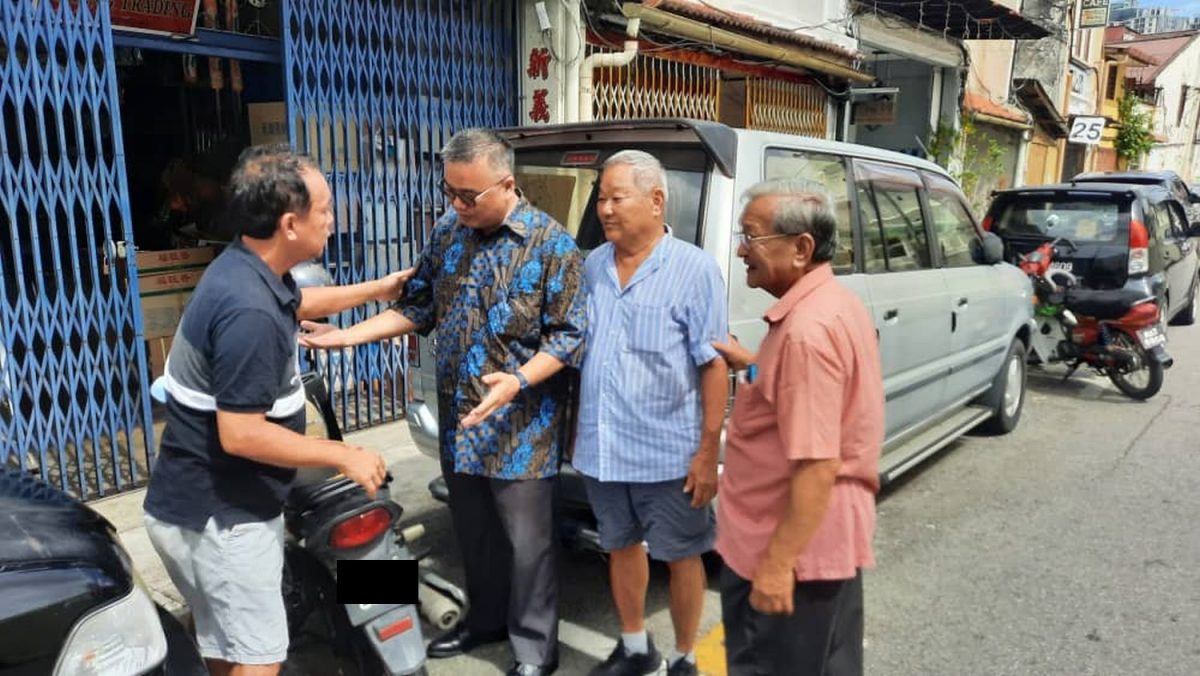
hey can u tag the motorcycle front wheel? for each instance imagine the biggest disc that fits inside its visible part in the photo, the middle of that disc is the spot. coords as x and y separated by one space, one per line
1141 382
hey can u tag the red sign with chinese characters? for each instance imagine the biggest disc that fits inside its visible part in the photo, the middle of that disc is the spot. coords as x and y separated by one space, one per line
541 110
539 63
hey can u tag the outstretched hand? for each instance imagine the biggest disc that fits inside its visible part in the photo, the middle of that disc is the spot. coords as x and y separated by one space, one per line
735 355
504 386
318 336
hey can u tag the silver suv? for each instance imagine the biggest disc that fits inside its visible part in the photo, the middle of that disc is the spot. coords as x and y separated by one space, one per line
953 321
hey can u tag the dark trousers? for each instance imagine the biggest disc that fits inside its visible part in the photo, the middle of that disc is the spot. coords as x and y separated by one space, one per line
822 637
505 531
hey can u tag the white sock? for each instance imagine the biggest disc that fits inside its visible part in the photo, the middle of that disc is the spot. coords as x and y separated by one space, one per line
676 656
635 644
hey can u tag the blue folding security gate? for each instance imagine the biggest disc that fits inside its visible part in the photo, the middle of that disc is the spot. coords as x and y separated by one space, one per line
74 405
375 87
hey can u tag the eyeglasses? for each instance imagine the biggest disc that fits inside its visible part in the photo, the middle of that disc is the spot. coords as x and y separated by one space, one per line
743 239
468 197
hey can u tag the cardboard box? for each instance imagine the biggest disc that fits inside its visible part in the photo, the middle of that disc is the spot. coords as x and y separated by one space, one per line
161 313
157 350
268 122
173 280
150 261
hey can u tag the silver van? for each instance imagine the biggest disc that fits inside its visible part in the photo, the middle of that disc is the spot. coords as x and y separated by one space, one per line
953 321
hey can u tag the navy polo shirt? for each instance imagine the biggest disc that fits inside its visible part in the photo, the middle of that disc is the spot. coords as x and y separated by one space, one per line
235 350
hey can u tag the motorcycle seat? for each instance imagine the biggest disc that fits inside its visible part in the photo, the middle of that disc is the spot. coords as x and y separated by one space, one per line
1103 304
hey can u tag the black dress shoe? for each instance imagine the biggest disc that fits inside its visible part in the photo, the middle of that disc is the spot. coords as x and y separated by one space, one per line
461 640
519 669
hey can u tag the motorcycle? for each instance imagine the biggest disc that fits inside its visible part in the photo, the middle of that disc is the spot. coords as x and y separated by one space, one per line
327 518
1119 333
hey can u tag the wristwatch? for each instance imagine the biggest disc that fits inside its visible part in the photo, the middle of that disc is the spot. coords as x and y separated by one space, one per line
523 380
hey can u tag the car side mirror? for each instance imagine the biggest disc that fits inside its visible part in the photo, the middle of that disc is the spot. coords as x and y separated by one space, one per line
1195 195
989 250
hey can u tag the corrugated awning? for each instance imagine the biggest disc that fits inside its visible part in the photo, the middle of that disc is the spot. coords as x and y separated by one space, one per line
964 19
1035 99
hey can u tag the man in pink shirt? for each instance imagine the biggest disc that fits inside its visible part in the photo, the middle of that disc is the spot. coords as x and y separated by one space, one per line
797 497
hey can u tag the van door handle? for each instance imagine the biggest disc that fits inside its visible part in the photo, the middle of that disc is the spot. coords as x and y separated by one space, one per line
891 314
962 302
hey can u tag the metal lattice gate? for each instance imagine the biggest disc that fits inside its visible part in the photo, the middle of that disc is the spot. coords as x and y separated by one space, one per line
375 87
655 87
73 401
788 107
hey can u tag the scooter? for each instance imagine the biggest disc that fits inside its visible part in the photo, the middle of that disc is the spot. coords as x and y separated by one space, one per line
327 518
1118 333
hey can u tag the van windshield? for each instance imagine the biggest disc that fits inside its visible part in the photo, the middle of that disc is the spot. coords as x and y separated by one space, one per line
568 193
1079 219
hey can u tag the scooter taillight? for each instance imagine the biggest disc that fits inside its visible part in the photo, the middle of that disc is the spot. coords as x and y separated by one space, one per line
360 529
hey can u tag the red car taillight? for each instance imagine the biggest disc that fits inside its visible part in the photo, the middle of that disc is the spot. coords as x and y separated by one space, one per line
361 529
987 224
1139 251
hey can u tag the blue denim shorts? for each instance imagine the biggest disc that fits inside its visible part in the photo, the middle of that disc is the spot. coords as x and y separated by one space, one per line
230 578
659 514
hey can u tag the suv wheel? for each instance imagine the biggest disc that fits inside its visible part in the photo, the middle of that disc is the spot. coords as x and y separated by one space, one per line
1006 397
1187 316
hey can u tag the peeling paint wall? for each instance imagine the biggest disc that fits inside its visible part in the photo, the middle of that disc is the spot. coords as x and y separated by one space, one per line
1046 59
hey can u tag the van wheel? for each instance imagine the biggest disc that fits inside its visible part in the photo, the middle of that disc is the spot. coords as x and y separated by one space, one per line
1006 397
1187 316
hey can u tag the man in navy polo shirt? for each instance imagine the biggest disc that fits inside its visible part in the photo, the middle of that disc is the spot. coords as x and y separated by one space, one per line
235 414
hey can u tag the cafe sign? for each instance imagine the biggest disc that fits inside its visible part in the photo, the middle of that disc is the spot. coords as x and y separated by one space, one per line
1094 14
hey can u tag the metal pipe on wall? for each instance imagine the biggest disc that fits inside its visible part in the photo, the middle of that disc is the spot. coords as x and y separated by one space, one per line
593 61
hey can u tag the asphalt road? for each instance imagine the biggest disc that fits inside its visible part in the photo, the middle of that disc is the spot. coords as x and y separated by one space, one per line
1066 547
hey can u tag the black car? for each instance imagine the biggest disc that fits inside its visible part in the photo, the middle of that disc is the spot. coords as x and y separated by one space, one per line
1165 179
69 602
1121 236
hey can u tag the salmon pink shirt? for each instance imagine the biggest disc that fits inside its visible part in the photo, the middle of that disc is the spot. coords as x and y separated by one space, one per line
818 395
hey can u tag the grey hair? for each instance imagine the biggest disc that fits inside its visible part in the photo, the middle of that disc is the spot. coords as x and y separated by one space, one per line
804 207
648 172
470 144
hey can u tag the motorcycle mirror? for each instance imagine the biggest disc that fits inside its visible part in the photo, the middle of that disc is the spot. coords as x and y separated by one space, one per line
310 274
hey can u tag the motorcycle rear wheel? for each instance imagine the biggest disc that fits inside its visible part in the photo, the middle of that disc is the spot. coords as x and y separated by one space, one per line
1141 383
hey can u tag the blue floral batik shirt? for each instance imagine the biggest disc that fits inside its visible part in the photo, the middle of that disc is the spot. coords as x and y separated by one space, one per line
496 300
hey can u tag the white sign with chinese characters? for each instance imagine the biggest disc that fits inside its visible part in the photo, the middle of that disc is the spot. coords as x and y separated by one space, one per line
1086 130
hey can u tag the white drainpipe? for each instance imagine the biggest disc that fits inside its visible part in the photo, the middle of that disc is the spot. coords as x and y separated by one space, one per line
601 60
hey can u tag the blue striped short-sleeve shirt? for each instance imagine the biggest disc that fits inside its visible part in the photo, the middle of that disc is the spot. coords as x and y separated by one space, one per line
640 406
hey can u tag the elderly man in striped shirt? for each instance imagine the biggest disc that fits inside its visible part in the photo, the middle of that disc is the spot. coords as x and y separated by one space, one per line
652 400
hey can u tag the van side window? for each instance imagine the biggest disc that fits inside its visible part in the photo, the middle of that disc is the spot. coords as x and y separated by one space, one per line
889 207
829 171
952 223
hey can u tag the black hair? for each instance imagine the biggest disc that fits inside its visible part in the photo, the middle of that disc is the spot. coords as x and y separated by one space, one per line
267 183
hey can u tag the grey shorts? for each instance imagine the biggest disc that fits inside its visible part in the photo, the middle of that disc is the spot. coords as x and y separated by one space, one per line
660 514
230 578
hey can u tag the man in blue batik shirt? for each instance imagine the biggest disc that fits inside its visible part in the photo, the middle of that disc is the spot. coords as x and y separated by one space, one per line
502 283
652 399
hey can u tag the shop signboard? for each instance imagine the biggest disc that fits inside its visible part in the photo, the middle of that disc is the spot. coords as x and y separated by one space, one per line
1094 14
173 17
168 17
